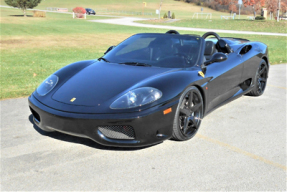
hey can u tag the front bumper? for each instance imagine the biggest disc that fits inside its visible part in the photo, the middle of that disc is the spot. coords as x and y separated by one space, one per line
149 129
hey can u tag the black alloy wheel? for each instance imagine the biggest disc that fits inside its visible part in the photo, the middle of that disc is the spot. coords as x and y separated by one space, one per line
188 114
261 80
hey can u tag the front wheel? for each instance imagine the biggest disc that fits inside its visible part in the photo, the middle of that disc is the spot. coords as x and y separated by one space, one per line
188 114
260 80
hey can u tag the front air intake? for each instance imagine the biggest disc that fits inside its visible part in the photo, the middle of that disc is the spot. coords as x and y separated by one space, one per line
36 115
118 131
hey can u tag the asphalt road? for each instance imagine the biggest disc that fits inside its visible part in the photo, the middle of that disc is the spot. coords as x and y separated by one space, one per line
240 146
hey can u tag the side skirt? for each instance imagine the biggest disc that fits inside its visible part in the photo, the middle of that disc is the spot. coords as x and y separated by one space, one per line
235 96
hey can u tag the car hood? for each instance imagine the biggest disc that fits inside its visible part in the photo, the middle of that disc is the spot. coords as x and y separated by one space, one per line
102 82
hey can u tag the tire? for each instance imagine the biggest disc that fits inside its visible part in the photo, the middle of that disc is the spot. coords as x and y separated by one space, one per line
260 80
188 114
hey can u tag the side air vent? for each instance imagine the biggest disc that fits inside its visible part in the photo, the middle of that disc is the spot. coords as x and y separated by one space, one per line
245 49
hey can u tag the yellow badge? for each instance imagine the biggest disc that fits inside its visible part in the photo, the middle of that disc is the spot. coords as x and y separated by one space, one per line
201 73
73 99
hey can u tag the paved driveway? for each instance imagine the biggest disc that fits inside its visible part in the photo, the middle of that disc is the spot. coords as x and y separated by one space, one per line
240 146
129 21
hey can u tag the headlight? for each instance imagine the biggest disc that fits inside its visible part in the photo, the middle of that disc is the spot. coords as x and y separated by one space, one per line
137 97
47 85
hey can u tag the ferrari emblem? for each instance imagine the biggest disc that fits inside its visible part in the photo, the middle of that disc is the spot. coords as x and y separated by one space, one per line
73 99
201 73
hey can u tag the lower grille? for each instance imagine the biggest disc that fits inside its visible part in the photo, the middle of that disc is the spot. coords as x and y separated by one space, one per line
36 115
118 131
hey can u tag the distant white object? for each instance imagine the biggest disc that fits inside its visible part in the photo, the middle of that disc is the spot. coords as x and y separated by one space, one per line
239 4
250 17
62 9
206 17
157 11
227 17
75 15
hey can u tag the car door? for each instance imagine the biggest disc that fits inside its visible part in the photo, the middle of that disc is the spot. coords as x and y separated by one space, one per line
250 60
225 79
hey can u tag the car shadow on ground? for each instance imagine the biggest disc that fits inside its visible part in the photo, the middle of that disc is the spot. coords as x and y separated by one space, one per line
79 140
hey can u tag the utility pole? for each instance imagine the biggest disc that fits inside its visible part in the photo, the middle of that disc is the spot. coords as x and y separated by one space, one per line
239 4
278 11
159 9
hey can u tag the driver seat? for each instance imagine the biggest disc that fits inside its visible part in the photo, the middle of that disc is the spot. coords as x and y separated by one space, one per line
210 49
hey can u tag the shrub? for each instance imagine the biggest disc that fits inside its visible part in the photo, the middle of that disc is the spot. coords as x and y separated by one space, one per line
39 14
165 16
173 16
79 11
259 18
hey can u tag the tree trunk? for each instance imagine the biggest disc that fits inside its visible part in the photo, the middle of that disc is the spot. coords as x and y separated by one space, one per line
278 11
254 12
24 11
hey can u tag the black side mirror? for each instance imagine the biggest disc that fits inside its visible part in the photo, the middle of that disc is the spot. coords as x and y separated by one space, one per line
110 48
216 57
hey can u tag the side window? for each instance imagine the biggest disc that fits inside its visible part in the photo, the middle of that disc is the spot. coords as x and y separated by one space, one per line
245 49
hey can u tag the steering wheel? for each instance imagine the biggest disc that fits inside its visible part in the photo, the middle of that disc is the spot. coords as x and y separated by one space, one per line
181 54
184 56
211 33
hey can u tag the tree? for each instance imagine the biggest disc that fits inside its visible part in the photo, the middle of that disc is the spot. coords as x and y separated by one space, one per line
255 4
271 6
230 3
284 6
23 4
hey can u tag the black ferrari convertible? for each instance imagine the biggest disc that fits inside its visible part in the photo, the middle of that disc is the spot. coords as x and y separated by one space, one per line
149 88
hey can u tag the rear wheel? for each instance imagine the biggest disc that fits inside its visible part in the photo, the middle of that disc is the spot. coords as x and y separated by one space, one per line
261 80
188 114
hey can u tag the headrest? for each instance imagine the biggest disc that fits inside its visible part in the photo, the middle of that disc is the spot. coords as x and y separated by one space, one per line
209 48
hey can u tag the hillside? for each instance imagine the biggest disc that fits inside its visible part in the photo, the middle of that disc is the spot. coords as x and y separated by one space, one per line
181 9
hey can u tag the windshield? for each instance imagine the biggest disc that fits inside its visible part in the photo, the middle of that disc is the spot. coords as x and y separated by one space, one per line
159 50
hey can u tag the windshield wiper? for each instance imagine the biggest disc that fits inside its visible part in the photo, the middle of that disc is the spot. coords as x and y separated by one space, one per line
101 58
136 64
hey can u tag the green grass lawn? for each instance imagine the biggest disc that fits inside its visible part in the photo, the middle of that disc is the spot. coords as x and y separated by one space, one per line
237 24
33 48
